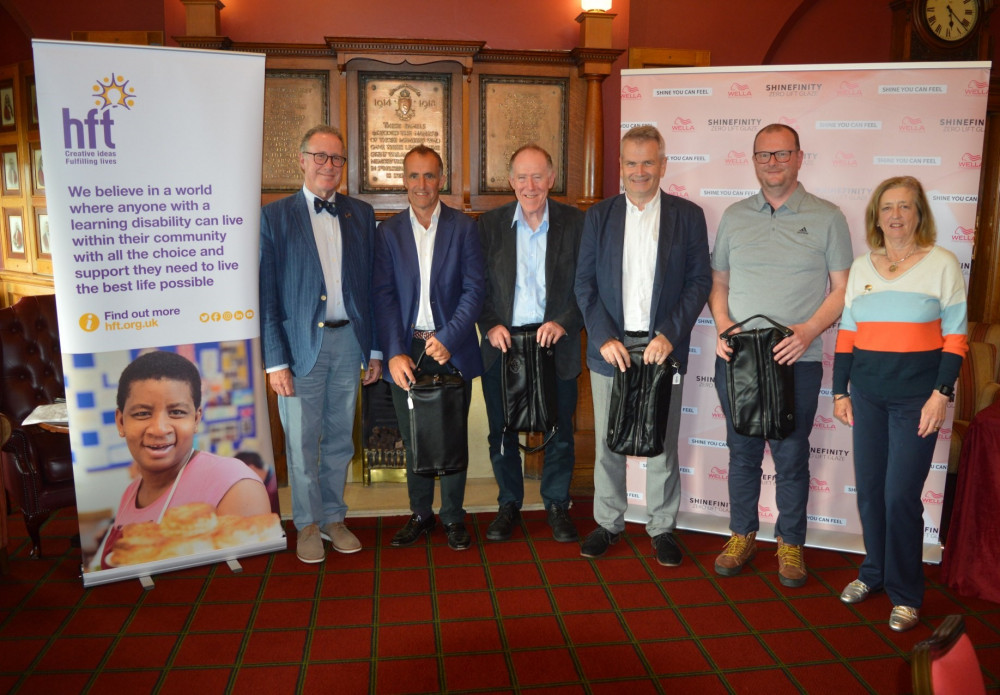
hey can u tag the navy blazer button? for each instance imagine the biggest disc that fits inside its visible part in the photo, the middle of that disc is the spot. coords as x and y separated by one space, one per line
322 297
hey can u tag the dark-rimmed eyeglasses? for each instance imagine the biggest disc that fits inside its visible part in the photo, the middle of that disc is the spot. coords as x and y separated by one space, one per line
335 159
780 156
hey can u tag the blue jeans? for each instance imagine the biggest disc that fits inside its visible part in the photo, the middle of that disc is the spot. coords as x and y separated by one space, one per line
790 455
319 430
891 463
557 470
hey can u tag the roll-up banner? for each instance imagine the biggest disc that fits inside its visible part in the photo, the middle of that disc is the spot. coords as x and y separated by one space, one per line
153 165
858 125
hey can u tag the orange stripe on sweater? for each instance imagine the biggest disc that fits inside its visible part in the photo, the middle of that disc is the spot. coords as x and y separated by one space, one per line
887 336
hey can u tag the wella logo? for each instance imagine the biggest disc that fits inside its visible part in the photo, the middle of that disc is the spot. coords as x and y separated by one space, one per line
736 158
787 120
844 159
738 90
109 93
817 485
970 161
678 190
682 125
764 512
630 92
718 473
963 234
932 497
849 89
977 88
944 433
718 413
824 423
911 124
827 359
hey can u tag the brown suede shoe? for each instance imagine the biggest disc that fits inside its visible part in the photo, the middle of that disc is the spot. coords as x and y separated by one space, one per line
791 565
739 551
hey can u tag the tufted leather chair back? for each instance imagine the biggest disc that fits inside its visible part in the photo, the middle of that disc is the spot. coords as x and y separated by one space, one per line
31 372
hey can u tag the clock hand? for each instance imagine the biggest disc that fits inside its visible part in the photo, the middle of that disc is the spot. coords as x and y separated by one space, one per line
953 17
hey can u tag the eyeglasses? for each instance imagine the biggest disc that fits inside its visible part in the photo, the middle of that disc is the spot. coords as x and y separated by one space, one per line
780 156
336 159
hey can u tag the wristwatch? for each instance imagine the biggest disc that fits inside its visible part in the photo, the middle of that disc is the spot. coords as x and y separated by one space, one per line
946 390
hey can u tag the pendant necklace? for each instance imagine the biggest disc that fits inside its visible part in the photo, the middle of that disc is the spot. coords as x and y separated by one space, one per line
894 265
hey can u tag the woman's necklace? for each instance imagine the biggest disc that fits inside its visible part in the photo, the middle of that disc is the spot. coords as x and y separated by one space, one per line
894 265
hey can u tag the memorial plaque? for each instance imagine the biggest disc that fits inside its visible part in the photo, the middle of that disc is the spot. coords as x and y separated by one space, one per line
517 111
294 102
399 112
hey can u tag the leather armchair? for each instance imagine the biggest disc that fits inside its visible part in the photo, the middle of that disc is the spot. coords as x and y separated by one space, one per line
37 463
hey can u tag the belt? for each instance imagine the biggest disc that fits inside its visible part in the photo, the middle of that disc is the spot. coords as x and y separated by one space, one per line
334 324
636 334
423 335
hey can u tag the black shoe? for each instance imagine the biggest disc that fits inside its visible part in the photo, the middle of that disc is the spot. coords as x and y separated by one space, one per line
597 541
563 529
415 527
668 553
503 525
458 537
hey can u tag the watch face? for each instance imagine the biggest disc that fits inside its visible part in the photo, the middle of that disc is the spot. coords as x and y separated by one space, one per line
951 20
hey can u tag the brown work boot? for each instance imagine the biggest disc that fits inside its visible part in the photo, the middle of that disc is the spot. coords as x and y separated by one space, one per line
791 565
739 551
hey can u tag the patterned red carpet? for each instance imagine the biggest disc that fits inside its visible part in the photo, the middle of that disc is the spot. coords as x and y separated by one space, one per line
525 616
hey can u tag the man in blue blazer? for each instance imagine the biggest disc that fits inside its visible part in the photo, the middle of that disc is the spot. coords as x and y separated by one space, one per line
642 278
427 282
317 334
530 247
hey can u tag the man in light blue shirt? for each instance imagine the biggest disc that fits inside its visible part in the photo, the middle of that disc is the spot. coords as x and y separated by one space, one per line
530 246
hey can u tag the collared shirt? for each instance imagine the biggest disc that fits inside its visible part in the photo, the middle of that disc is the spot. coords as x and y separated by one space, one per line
779 261
326 232
642 235
529 287
424 239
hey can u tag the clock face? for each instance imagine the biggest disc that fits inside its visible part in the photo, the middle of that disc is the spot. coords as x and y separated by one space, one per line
951 20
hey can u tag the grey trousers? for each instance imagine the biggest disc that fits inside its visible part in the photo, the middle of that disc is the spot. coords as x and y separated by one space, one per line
663 485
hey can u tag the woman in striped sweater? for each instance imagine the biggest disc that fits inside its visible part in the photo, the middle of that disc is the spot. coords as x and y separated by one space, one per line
899 348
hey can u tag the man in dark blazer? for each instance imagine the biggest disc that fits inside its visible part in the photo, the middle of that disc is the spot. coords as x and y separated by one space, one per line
530 247
642 278
428 287
317 334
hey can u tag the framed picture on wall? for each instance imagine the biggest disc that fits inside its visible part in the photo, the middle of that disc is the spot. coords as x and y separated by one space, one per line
294 101
516 111
8 115
11 177
44 241
32 102
397 112
14 222
37 172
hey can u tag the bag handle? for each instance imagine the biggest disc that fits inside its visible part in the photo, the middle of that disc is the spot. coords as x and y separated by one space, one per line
785 331
416 367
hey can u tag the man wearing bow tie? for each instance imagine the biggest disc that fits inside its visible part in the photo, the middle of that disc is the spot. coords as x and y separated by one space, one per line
316 334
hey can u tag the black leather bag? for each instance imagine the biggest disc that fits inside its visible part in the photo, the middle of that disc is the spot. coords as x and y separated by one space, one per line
761 391
528 385
640 403
439 427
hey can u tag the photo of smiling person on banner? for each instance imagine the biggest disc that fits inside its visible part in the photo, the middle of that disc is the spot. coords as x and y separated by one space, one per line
157 468
183 492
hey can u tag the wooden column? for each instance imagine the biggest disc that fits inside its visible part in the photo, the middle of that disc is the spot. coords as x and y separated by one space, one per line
594 57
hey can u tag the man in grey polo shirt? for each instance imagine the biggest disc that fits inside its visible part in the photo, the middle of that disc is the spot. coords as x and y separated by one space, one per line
774 254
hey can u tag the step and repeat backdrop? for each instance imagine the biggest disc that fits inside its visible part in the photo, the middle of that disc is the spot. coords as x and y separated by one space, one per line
858 125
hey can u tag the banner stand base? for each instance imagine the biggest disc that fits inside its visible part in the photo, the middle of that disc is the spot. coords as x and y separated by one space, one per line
815 538
147 582
234 566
